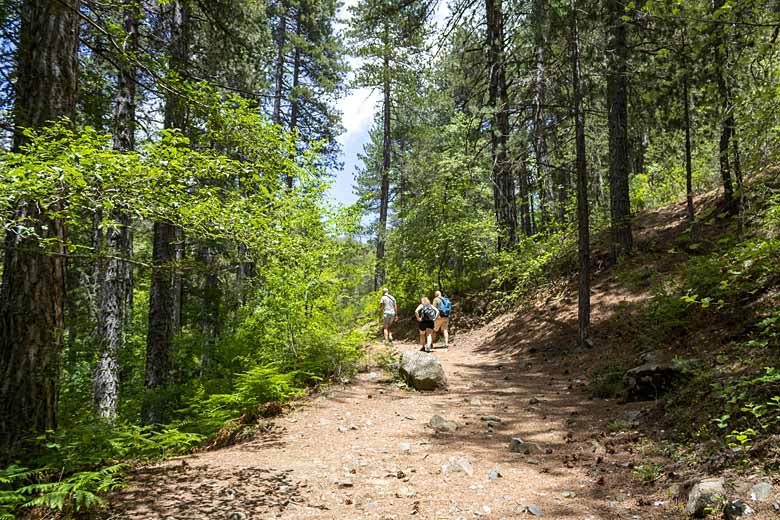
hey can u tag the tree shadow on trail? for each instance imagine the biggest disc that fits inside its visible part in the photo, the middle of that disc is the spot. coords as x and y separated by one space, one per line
535 382
205 492
185 489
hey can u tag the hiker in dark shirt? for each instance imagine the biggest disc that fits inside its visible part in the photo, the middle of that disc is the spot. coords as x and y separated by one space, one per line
426 314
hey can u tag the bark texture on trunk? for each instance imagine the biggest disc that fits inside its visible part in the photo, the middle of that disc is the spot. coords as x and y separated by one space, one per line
32 295
159 339
281 41
689 206
498 100
727 116
165 291
583 224
384 188
295 103
724 142
112 272
524 193
212 299
539 16
617 104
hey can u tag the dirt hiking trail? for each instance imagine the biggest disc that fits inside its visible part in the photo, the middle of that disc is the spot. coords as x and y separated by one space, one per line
365 450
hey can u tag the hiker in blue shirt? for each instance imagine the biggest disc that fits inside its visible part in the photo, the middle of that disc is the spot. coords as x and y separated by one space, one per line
443 305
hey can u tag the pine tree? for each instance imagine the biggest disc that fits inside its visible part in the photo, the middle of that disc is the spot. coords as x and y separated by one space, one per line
32 297
386 35
498 103
113 273
165 291
617 108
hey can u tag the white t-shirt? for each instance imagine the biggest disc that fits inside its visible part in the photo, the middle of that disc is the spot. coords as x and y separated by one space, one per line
389 303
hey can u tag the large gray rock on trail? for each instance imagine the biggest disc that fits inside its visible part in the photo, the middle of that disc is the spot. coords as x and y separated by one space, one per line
761 492
458 465
705 497
517 445
440 424
651 380
422 371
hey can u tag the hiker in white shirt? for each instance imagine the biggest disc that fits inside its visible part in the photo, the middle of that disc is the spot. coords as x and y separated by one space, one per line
389 310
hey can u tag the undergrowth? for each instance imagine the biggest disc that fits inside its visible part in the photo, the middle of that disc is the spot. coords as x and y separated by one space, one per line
73 466
725 313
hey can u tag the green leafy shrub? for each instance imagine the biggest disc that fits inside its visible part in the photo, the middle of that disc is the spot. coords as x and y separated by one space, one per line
530 265
607 382
648 473
76 493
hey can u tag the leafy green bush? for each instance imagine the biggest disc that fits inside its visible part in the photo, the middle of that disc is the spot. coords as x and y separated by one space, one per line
607 382
44 487
78 492
531 264
648 473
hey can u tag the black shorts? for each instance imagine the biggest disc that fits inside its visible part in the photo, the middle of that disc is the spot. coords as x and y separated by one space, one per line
423 325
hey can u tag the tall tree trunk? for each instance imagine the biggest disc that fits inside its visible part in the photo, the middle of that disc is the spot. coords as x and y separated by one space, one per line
281 40
583 315
211 297
163 301
690 209
384 189
294 99
539 16
178 279
523 193
159 339
498 100
726 116
33 286
617 104
113 273
737 162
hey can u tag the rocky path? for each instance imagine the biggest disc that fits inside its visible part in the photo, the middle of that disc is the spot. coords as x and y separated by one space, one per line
366 451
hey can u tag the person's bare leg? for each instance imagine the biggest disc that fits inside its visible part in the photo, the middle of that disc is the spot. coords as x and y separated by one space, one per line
446 337
429 339
387 332
422 338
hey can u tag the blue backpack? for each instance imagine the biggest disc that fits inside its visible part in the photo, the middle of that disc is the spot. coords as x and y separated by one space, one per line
445 307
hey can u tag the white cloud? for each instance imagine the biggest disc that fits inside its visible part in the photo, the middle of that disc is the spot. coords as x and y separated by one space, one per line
358 109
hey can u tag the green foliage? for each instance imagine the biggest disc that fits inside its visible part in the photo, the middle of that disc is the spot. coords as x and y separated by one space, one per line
533 263
607 381
78 492
95 443
447 241
752 404
260 385
389 361
648 473
12 479
727 287
617 425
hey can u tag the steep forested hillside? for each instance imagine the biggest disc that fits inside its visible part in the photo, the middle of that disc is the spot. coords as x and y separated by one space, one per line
173 270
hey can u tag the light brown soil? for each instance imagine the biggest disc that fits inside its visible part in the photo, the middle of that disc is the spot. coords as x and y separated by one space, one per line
307 468
339 454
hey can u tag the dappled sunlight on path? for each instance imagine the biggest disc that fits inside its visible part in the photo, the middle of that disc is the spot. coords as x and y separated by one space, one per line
365 450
